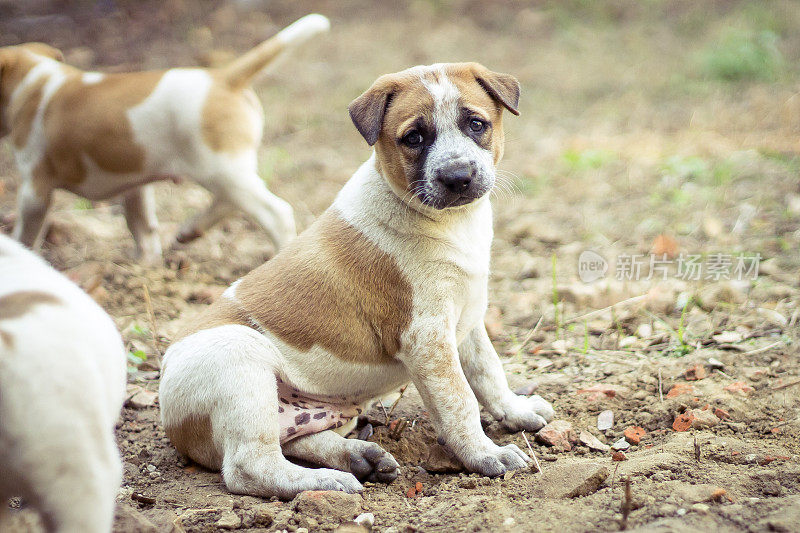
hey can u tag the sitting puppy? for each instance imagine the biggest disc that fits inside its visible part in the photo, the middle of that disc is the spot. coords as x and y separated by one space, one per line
100 135
62 383
388 285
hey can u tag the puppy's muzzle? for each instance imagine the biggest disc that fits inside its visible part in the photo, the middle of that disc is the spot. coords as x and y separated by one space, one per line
456 175
457 182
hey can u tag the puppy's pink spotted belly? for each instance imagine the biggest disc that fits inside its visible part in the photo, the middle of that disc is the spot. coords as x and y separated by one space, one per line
303 414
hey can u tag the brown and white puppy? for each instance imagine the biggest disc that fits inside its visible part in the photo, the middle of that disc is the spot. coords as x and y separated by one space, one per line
100 135
62 383
388 286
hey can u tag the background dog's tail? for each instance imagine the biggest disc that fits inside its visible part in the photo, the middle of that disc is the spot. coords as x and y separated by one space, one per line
242 71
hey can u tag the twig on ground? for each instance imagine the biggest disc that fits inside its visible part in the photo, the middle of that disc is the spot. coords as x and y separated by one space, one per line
391 409
528 336
152 318
533 455
660 387
380 402
724 374
787 385
763 349
603 310
613 475
627 505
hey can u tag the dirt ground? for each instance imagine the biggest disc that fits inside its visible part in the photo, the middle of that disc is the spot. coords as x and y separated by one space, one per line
638 134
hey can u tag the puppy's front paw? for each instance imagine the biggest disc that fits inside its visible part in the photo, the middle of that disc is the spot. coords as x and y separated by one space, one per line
528 413
497 461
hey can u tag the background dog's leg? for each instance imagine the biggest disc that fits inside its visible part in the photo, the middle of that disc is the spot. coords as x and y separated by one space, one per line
276 216
197 226
140 212
32 213
365 460
227 374
485 374
436 372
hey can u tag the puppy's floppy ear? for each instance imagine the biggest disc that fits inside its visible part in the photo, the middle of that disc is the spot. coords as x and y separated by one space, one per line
45 50
502 87
367 111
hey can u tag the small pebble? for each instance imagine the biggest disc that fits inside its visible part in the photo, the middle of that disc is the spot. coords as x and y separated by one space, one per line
365 519
644 330
715 363
621 444
605 420
680 512
700 508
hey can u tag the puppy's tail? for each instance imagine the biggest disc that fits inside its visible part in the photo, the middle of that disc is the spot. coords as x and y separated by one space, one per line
242 71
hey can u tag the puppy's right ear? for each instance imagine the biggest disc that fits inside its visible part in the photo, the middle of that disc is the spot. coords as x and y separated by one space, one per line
367 111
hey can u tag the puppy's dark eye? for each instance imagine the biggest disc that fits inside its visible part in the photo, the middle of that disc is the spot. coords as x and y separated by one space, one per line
413 139
477 125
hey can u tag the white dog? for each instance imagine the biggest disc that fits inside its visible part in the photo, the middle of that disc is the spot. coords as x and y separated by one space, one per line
388 285
100 135
62 384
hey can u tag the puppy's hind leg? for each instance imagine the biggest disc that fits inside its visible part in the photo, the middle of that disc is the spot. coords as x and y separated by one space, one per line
226 375
31 214
139 206
365 460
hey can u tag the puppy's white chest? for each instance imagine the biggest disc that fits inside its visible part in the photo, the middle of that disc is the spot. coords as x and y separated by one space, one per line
453 275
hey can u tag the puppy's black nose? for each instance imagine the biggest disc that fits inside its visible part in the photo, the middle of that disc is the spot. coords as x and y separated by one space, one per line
456 177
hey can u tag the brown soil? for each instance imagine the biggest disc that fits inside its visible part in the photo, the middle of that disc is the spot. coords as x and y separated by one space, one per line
624 143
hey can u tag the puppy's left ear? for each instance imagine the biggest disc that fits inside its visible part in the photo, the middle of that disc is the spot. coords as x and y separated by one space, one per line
45 50
504 88
367 111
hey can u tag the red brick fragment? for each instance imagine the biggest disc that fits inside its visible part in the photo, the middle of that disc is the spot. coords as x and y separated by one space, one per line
680 388
683 422
634 434
598 392
739 386
722 414
694 373
719 494
618 456
415 490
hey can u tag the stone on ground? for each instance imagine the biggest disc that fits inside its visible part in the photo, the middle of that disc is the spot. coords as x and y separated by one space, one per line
558 434
570 480
328 505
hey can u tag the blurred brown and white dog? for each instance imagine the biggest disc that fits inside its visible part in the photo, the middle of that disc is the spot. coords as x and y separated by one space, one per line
389 285
100 135
62 383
